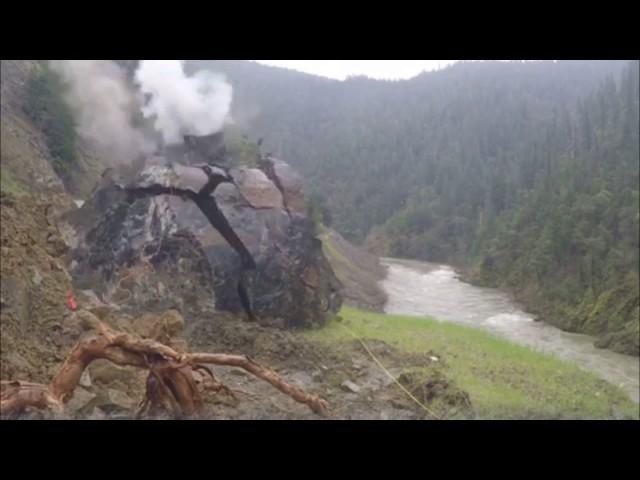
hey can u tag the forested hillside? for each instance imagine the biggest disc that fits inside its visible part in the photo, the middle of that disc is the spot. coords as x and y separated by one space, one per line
569 245
529 171
369 146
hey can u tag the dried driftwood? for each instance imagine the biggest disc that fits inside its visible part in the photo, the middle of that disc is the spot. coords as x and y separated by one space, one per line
171 382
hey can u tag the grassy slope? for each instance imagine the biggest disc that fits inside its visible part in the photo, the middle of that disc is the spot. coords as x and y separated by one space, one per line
504 380
10 185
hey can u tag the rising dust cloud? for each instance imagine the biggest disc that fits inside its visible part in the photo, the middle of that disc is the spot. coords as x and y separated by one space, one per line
105 104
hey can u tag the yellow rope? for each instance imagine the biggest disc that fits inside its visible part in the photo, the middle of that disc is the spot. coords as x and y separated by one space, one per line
375 359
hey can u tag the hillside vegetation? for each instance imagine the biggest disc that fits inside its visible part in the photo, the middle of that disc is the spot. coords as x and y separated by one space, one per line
41 152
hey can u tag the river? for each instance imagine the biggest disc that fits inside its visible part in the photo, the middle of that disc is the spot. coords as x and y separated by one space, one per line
419 288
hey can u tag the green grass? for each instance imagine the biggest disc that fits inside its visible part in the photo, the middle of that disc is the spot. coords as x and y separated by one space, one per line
9 184
504 380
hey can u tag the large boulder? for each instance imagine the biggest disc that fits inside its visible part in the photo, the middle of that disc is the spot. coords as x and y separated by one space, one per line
159 252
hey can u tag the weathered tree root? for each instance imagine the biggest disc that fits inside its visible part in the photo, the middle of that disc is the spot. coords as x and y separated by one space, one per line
170 382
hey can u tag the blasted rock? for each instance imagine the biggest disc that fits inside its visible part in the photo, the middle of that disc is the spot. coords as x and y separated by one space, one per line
150 254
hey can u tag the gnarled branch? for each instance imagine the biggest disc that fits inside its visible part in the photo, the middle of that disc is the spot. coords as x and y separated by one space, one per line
170 380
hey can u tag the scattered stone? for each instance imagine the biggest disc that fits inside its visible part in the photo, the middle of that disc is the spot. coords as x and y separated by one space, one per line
80 400
37 278
85 379
349 386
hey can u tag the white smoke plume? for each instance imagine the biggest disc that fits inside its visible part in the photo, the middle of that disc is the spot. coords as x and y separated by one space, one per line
104 106
178 104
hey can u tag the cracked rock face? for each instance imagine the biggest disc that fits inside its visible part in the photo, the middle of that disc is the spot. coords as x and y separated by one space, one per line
161 252
288 182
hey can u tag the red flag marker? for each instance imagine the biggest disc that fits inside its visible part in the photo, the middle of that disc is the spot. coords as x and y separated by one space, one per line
71 302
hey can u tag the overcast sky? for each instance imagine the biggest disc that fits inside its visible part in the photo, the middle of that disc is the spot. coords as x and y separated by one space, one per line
340 69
